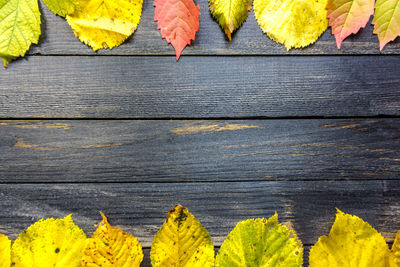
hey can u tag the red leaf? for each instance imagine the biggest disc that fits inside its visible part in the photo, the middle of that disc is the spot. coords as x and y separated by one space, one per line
178 21
348 16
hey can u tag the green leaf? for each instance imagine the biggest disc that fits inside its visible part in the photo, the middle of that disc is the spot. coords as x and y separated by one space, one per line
386 21
19 27
62 7
230 14
261 242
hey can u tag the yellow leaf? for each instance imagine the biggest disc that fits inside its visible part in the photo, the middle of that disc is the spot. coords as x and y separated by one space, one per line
49 243
110 246
261 242
351 242
5 251
182 241
395 252
294 23
105 23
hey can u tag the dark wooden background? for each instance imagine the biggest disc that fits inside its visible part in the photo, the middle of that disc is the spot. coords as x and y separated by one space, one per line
231 131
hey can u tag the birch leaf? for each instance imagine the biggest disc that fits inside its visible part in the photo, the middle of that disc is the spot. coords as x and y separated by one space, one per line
49 243
230 14
387 21
182 241
395 252
294 23
19 28
178 21
61 7
5 251
105 23
110 246
351 242
348 17
260 242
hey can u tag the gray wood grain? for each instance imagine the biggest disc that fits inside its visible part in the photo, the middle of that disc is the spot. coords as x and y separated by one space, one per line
58 39
141 208
200 87
184 151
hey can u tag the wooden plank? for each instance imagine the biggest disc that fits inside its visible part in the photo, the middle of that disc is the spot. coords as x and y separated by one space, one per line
183 151
141 208
200 87
58 39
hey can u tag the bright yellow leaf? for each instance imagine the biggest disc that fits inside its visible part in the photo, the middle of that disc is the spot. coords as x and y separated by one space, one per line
182 241
19 27
261 242
49 243
105 23
395 252
110 246
351 242
5 251
294 23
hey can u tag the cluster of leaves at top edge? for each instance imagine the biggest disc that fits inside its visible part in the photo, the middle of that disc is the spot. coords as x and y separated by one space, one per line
108 23
183 241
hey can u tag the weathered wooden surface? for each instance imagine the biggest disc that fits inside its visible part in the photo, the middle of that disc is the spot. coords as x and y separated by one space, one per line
187 151
141 208
58 39
200 87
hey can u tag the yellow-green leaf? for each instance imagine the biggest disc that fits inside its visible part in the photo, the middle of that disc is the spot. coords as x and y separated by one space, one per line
182 241
105 23
49 243
62 7
395 252
386 21
351 242
230 14
110 246
260 242
5 251
294 23
19 27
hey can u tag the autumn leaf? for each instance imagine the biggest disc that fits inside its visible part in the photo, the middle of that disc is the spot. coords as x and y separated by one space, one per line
230 14
260 242
19 27
110 246
48 243
182 241
348 17
351 242
395 252
294 23
386 21
5 251
178 21
105 23
62 7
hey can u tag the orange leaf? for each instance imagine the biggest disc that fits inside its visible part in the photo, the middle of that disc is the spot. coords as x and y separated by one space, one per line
178 21
348 17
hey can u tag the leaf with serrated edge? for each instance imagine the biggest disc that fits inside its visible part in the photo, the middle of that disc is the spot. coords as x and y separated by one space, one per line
49 243
260 242
182 241
61 7
178 21
395 252
348 17
294 23
5 251
230 14
105 23
110 246
19 27
351 242
386 21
